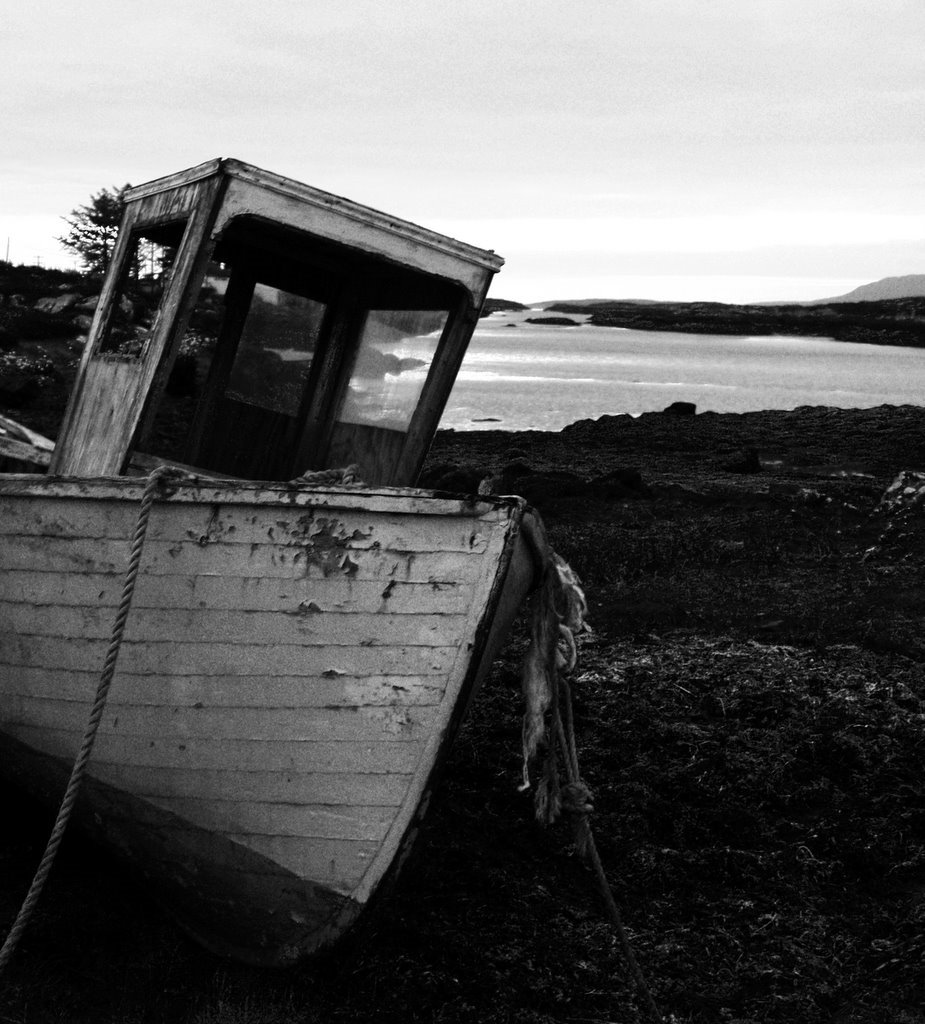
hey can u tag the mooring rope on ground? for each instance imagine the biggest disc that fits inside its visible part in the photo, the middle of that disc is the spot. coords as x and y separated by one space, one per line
551 660
79 769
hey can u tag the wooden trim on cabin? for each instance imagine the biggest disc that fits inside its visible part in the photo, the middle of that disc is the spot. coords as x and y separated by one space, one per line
376 238
290 188
443 372
189 275
366 215
174 181
238 298
328 380
104 309
110 419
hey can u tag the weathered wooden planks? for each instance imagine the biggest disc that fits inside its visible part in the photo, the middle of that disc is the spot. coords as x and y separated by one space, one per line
297 660
401 500
110 391
246 593
298 620
184 558
170 657
339 864
23 451
295 707
228 754
283 787
235 524
357 724
257 193
319 821
237 691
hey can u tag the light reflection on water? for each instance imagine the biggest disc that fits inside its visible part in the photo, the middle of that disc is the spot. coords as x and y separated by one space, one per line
532 377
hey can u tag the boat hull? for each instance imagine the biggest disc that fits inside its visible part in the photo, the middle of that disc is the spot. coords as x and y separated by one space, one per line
293 670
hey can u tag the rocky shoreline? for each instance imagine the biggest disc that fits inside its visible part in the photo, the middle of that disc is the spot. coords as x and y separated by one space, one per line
885 322
803 443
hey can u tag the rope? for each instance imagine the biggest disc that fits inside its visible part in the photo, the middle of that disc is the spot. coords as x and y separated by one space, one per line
349 476
558 615
78 771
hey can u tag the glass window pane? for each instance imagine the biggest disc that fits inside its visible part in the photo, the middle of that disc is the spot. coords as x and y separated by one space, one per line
145 274
392 363
275 352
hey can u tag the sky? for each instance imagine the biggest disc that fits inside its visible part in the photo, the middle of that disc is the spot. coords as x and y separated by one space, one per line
736 150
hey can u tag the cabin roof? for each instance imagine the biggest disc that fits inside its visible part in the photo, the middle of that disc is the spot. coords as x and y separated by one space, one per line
403 231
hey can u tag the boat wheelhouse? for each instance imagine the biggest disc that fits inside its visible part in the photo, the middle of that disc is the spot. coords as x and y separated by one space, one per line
301 648
342 333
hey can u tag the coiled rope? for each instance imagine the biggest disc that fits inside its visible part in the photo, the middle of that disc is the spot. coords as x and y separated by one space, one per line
559 609
349 476
153 482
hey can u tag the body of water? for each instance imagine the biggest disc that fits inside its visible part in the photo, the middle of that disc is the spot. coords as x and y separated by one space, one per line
534 377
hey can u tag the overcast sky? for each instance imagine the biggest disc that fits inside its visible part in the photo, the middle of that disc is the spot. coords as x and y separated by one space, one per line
728 149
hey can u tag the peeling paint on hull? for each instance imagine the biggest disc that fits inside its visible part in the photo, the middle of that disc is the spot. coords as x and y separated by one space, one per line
292 675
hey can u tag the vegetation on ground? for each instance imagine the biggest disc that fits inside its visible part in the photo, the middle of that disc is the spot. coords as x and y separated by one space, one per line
750 712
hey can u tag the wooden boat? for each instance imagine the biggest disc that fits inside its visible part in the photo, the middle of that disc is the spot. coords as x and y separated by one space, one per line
299 654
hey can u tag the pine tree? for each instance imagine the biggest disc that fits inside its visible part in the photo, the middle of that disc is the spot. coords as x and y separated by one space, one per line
93 229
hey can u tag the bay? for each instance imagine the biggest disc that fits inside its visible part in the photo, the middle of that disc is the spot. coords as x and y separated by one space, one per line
541 377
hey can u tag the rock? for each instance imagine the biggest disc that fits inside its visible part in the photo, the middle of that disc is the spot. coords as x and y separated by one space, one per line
681 409
57 303
19 388
89 304
516 469
552 321
900 514
538 488
907 491
747 463
598 426
620 483
448 476
83 321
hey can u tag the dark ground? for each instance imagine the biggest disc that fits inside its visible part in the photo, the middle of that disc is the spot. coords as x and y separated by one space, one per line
751 716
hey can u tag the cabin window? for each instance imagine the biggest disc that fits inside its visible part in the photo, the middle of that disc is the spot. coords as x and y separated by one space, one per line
145 272
274 355
393 359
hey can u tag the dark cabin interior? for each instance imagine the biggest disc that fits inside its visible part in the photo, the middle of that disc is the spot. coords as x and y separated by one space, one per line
309 367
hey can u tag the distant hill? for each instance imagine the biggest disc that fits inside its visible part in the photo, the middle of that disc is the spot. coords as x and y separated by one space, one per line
884 322
577 304
496 305
905 287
